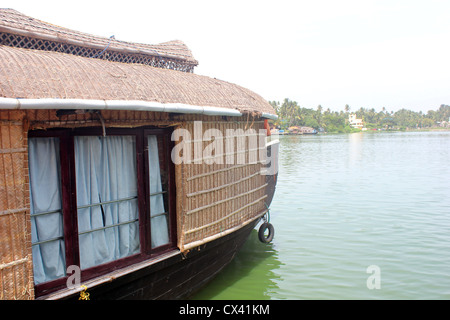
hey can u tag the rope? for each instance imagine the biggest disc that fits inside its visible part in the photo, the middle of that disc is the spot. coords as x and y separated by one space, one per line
268 212
99 54
83 294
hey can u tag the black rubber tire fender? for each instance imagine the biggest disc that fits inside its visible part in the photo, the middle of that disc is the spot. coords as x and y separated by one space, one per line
261 233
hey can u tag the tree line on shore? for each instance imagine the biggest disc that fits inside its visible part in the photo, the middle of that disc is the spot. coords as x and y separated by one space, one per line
290 113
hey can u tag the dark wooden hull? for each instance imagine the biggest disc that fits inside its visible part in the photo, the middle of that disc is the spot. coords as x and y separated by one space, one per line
176 277
271 181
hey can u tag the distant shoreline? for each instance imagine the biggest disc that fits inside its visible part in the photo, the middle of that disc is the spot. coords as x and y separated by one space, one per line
368 131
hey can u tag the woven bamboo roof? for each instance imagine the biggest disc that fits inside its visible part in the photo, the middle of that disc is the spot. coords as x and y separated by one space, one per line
23 31
40 74
33 74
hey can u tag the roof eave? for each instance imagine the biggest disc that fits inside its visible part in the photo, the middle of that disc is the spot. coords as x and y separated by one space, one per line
85 104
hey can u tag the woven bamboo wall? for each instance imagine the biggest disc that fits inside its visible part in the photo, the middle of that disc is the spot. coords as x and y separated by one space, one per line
43 119
15 241
214 199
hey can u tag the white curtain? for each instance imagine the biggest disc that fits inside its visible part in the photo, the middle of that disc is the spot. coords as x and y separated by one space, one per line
106 172
46 212
159 225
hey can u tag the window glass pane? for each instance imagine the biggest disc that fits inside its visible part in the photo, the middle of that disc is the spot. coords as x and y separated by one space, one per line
158 213
106 179
47 234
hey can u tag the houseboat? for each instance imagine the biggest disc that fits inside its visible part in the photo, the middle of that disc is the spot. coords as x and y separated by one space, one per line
123 174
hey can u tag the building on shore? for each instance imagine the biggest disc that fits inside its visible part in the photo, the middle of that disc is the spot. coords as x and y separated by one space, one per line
354 122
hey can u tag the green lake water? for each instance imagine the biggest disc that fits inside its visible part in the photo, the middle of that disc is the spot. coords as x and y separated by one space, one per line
346 203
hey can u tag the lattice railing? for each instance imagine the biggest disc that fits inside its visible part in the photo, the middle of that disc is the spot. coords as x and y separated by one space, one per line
20 41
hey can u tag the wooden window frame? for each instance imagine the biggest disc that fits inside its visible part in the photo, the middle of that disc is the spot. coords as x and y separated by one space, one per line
69 198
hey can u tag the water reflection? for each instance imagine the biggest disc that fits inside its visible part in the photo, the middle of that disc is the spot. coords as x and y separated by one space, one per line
355 147
250 272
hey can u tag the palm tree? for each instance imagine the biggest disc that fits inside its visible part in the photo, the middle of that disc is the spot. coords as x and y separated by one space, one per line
319 115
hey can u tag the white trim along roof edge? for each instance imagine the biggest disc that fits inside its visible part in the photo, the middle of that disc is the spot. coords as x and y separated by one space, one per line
50 103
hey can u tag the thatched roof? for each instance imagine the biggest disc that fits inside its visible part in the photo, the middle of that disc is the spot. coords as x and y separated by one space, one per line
40 74
22 31
34 74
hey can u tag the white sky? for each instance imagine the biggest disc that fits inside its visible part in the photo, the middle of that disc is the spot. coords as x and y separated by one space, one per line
372 54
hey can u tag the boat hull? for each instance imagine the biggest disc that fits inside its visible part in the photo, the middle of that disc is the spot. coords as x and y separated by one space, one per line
272 170
176 277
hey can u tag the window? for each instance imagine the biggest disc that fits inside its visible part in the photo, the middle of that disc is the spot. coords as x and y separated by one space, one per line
98 201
